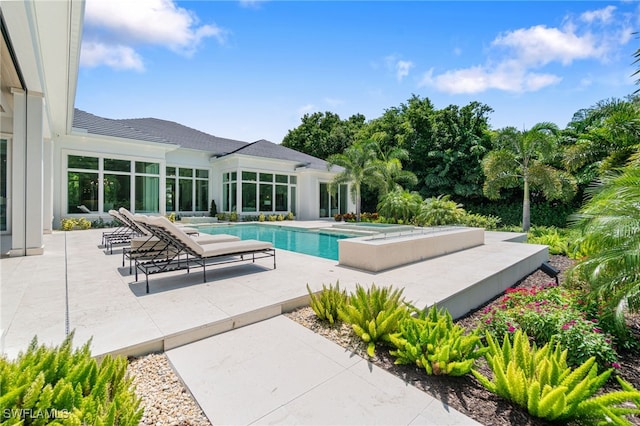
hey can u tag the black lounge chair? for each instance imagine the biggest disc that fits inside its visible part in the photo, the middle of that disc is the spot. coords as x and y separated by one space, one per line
121 235
183 252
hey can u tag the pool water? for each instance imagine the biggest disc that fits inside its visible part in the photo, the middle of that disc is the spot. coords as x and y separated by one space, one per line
311 242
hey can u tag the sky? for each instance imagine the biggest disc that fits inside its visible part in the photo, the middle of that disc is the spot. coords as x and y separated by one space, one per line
250 70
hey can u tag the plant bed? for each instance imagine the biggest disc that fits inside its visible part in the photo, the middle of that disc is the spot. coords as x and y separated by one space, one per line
465 393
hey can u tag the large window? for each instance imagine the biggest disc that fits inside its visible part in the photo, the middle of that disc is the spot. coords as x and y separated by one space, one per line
261 192
332 200
229 191
187 189
101 184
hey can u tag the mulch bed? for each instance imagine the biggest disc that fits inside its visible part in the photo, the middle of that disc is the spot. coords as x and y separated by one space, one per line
465 394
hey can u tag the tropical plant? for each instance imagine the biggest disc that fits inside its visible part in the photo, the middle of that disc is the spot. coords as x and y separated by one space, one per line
213 210
324 134
541 381
388 175
400 205
359 162
609 226
328 302
433 342
374 314
602 137
63 385
475 220
436 211
519 160
551 312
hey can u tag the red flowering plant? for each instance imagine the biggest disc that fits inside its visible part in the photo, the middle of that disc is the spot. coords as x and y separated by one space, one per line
549 313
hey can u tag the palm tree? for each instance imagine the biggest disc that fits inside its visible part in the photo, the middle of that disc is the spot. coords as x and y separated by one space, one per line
359 165
388 174
519 161
400 205
610 227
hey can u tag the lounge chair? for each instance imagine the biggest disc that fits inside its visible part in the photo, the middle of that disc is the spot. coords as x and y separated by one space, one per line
121 235
184 252
147 246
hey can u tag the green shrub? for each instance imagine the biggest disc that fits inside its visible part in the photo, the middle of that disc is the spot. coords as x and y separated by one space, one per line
261 217
47 384
475 220
541 381
233 217
328 303
222 216
374 314
213 210
436 211
69 224
290 216
280 217
435 343
551 312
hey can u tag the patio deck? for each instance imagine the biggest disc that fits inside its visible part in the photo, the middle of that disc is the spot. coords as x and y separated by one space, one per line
76 286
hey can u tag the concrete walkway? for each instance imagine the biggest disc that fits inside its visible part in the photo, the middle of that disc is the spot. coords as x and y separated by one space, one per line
76 286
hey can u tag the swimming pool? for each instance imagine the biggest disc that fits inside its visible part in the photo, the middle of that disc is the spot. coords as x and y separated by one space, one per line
312 242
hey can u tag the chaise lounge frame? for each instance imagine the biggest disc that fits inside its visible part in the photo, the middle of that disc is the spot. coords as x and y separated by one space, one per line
181 251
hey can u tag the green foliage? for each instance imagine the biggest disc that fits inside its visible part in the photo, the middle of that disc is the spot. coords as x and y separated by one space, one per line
66 386
289 216
543 213
374 314
547 313
435 343
440 210
233 217
222 216
541 381
71 223
328 303
400 205
324 134
261 217
475 220
213 210
172 217
609 227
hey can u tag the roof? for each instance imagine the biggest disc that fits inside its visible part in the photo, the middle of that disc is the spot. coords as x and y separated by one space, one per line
169 132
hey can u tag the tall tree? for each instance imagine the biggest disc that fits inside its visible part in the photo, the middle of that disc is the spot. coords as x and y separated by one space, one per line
518 160
324 134
610 227
602 137
359 163
388 175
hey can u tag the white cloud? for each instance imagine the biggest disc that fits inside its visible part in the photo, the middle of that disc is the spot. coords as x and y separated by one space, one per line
398 66
517 58
402 69
117 57
539 45
306 109
508 77
604 15
113 26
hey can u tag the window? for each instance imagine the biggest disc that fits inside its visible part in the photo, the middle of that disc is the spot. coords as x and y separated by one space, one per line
229 191
261 192
102 184
332 201
187 189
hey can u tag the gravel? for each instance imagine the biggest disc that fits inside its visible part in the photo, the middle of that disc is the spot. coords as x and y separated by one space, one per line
165 399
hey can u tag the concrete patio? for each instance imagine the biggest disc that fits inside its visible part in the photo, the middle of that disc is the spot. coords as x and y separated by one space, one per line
76 286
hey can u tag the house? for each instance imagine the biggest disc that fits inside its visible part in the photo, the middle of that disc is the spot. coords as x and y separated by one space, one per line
58 161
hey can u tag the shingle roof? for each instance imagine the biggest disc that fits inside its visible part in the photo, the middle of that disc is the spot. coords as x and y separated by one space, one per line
163 131
266 149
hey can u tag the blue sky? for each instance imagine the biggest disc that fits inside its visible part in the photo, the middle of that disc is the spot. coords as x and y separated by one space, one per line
250 70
